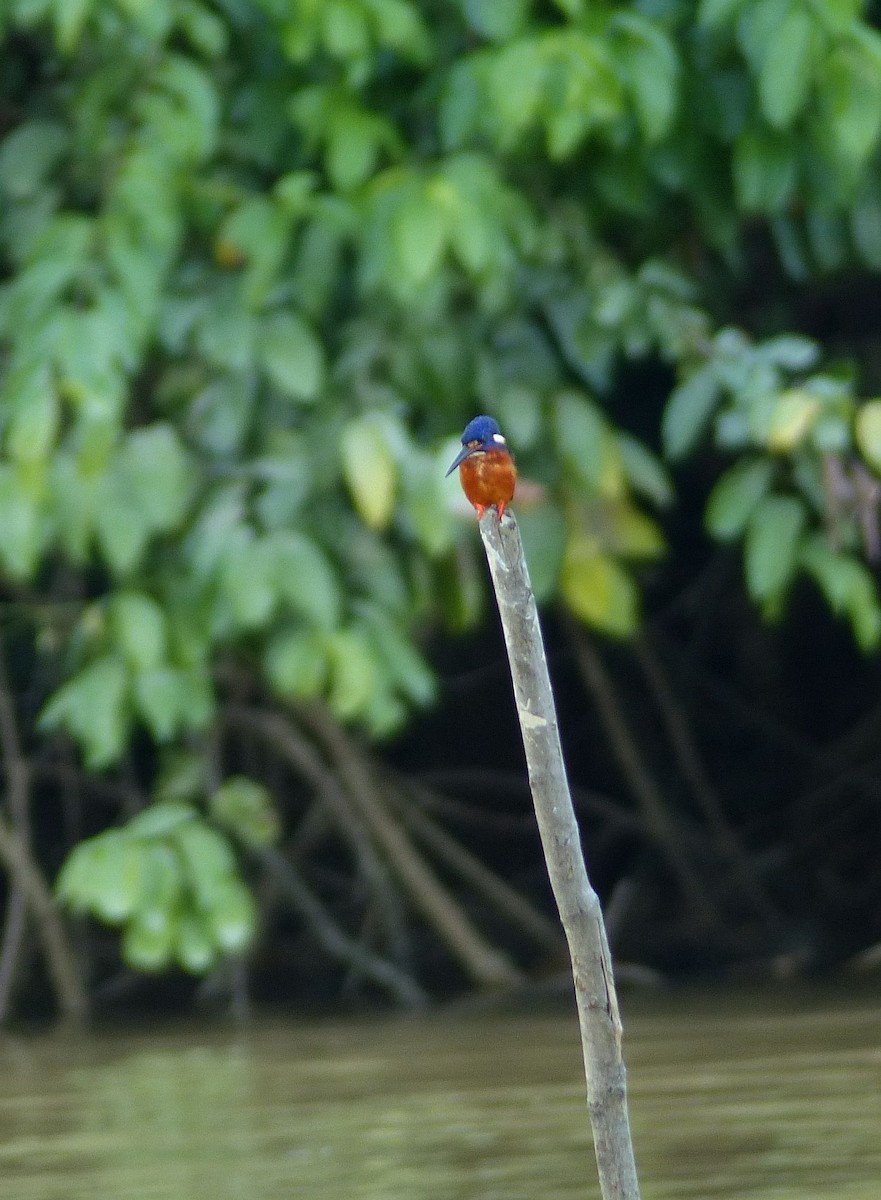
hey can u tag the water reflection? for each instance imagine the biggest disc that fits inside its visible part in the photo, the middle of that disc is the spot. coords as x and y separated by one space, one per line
739 1100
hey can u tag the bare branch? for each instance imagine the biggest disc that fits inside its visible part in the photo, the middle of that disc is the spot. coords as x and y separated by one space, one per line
501 895
381 972
302 757
693 770
578 903
486 965
28 889
649 799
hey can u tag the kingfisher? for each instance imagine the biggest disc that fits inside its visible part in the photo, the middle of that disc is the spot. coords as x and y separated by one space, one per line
486 466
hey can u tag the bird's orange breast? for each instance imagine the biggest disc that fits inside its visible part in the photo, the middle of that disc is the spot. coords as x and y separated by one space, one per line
488 477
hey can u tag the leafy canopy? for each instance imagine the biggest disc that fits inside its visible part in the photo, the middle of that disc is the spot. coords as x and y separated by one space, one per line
261 261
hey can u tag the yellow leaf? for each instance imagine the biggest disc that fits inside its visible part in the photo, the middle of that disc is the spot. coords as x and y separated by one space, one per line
635 535
791 419
612 482
598 590
369 470
868 433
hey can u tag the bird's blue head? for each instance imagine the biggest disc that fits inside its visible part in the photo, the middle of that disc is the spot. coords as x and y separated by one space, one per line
481 434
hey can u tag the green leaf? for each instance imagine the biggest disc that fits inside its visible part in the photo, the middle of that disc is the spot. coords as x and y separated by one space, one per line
246 809
688 411
206 32
520 415
162 887
718 12
401 26
208 859
159 819
516 84
156 474
305 579
73 885
498 20
259 231
849 95
117 876
867 429
161 696
352 150
184 109
849 587
631 533
755 28
138 625
765 171
29 154
221 414
225 334
296 664
734 498
419 236
93 708
353 672
182 778
23 524
598 591
543 530
148 946
292 356
792 418
651 68
103 875
194 946
34 414
787 68
369 470
460 109
790 350
122 527
580 431
645 473
249 580
406 668
344 28
232 917
425 503
773 541
70 20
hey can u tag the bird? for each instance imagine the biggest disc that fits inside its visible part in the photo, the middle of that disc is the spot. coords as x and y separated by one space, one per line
486 466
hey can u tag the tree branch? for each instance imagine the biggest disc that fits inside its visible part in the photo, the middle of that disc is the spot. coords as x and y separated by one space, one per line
28 888
301 756
471 870
695 774
60 961
338 944
485 964
646 792
578 903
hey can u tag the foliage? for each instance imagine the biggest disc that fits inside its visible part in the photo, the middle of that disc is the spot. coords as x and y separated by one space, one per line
170 881
261 261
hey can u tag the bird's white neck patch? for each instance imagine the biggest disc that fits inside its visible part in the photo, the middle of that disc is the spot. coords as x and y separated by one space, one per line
497 437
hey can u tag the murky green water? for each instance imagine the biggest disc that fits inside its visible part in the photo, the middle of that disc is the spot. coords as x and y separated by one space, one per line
759 1097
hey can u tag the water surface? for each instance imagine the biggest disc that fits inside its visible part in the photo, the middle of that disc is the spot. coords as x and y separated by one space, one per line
763 1097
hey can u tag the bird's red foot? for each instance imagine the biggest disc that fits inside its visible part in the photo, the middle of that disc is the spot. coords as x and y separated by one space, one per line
500 508
481 509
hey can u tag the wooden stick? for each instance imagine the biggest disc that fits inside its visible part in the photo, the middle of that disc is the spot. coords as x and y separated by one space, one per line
578 903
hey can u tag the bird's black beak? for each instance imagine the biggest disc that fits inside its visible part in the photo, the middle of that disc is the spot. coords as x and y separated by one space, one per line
461 456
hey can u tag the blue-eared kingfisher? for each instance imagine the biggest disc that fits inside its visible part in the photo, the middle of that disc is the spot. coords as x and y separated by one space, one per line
486 466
